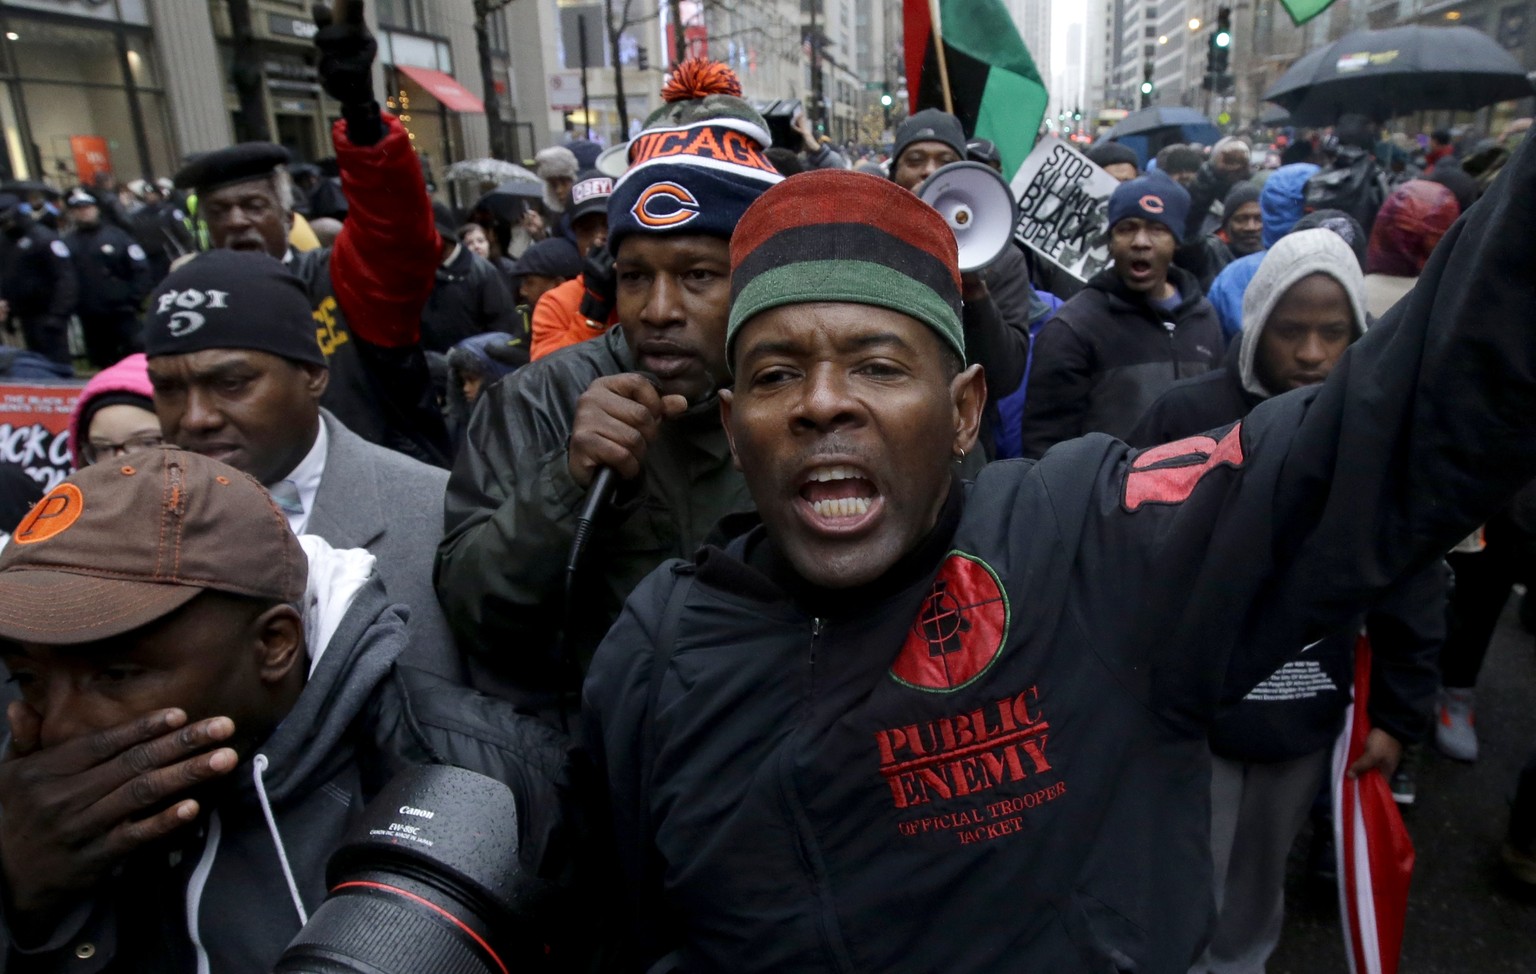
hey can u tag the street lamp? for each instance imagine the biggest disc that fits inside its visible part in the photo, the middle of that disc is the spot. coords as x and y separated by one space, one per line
1163 39
1194 23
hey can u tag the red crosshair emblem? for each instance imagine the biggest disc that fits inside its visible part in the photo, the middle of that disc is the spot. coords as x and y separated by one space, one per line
959 631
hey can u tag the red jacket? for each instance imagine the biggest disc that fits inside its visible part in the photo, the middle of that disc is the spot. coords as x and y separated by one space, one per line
368 291
384 261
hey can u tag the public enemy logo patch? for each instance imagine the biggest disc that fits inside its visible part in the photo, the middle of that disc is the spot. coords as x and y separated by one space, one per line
959 630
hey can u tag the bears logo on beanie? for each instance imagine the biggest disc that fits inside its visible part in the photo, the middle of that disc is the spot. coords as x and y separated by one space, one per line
702 168
1155 198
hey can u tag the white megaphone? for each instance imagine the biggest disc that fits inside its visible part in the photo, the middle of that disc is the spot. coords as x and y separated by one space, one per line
978 206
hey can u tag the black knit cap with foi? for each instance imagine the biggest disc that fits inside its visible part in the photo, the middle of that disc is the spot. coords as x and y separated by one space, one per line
232 299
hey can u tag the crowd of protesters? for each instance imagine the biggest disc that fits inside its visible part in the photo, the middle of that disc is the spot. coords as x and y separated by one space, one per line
823 607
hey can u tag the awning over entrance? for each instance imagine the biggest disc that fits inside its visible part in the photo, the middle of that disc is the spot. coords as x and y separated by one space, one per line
453 96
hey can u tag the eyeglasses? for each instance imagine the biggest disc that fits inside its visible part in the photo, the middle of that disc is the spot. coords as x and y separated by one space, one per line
94 452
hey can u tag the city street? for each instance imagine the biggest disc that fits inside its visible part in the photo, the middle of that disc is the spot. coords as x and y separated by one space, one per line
1462 916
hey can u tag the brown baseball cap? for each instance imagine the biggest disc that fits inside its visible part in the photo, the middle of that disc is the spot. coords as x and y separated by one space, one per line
118 545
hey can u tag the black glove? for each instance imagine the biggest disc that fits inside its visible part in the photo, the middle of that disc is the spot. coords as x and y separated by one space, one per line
347 51
597 279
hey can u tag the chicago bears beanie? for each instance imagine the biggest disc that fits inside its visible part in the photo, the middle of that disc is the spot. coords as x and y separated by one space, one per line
1156 198
700 162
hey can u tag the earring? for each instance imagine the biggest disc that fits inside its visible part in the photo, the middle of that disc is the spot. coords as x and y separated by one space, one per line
959 456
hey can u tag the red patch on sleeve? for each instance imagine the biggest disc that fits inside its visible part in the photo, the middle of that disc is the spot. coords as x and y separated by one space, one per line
1168 474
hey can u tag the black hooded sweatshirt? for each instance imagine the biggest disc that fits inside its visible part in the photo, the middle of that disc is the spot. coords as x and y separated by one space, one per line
1299 709
1003 766
1108 353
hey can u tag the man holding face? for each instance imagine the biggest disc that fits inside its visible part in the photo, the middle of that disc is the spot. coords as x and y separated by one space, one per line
912 724
207 703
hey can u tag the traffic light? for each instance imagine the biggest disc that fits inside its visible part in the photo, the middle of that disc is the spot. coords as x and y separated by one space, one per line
1146 85
1221 41
644 58
1219 53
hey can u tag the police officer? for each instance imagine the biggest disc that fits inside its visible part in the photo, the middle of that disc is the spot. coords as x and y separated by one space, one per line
114 280
37 280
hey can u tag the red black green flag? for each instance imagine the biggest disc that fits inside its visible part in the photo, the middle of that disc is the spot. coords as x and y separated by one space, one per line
996 89
1302 11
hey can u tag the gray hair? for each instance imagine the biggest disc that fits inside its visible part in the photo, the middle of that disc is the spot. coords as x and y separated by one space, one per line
282 185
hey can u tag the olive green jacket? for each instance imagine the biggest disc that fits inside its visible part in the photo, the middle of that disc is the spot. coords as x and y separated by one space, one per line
511 509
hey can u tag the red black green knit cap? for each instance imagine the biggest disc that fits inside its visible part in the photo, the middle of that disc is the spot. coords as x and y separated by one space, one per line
836 235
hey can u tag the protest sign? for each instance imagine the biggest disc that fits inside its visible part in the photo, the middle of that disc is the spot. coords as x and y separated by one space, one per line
34 428
1063 206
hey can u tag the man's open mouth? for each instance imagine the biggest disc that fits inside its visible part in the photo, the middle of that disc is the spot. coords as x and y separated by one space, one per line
839 496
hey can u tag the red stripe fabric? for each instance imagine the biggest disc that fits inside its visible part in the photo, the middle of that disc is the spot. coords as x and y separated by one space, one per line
917 23
834 195
1375 913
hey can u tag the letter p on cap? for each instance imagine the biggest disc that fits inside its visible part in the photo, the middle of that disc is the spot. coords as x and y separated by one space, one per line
51 515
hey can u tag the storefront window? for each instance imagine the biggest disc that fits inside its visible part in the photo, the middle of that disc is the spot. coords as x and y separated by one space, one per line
83 97
128 11
68 120
65 53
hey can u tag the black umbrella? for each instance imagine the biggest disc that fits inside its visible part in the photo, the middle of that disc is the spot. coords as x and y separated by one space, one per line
507 201
1274 116
1385 73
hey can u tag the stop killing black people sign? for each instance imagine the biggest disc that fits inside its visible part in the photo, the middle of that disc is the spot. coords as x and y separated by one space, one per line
1063 206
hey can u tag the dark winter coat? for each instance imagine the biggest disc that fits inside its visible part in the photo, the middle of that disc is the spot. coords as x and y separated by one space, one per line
470 298
1108 353
37 276
1299 709
511 512
112 268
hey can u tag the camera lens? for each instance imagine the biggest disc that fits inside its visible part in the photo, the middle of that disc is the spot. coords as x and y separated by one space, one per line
427 880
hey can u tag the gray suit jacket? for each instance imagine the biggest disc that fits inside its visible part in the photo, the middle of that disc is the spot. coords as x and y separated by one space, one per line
392 505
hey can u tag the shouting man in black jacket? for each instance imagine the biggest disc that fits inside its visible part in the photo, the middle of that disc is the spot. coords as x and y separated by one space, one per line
910 724
1138 327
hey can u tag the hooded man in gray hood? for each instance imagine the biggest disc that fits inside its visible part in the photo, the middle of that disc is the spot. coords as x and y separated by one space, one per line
1301 335
1304 307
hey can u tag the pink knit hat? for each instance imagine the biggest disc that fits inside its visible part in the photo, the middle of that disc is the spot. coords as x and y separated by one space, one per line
128 378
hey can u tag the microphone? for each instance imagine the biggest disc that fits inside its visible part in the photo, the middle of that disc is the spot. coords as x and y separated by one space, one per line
604 482
598 495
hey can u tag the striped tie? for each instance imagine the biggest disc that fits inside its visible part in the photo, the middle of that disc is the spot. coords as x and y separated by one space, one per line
286 494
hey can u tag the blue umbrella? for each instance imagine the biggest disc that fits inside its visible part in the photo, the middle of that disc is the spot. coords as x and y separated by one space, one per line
1147 131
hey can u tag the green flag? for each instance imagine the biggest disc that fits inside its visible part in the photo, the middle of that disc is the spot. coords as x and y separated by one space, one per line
1302 11
996 89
